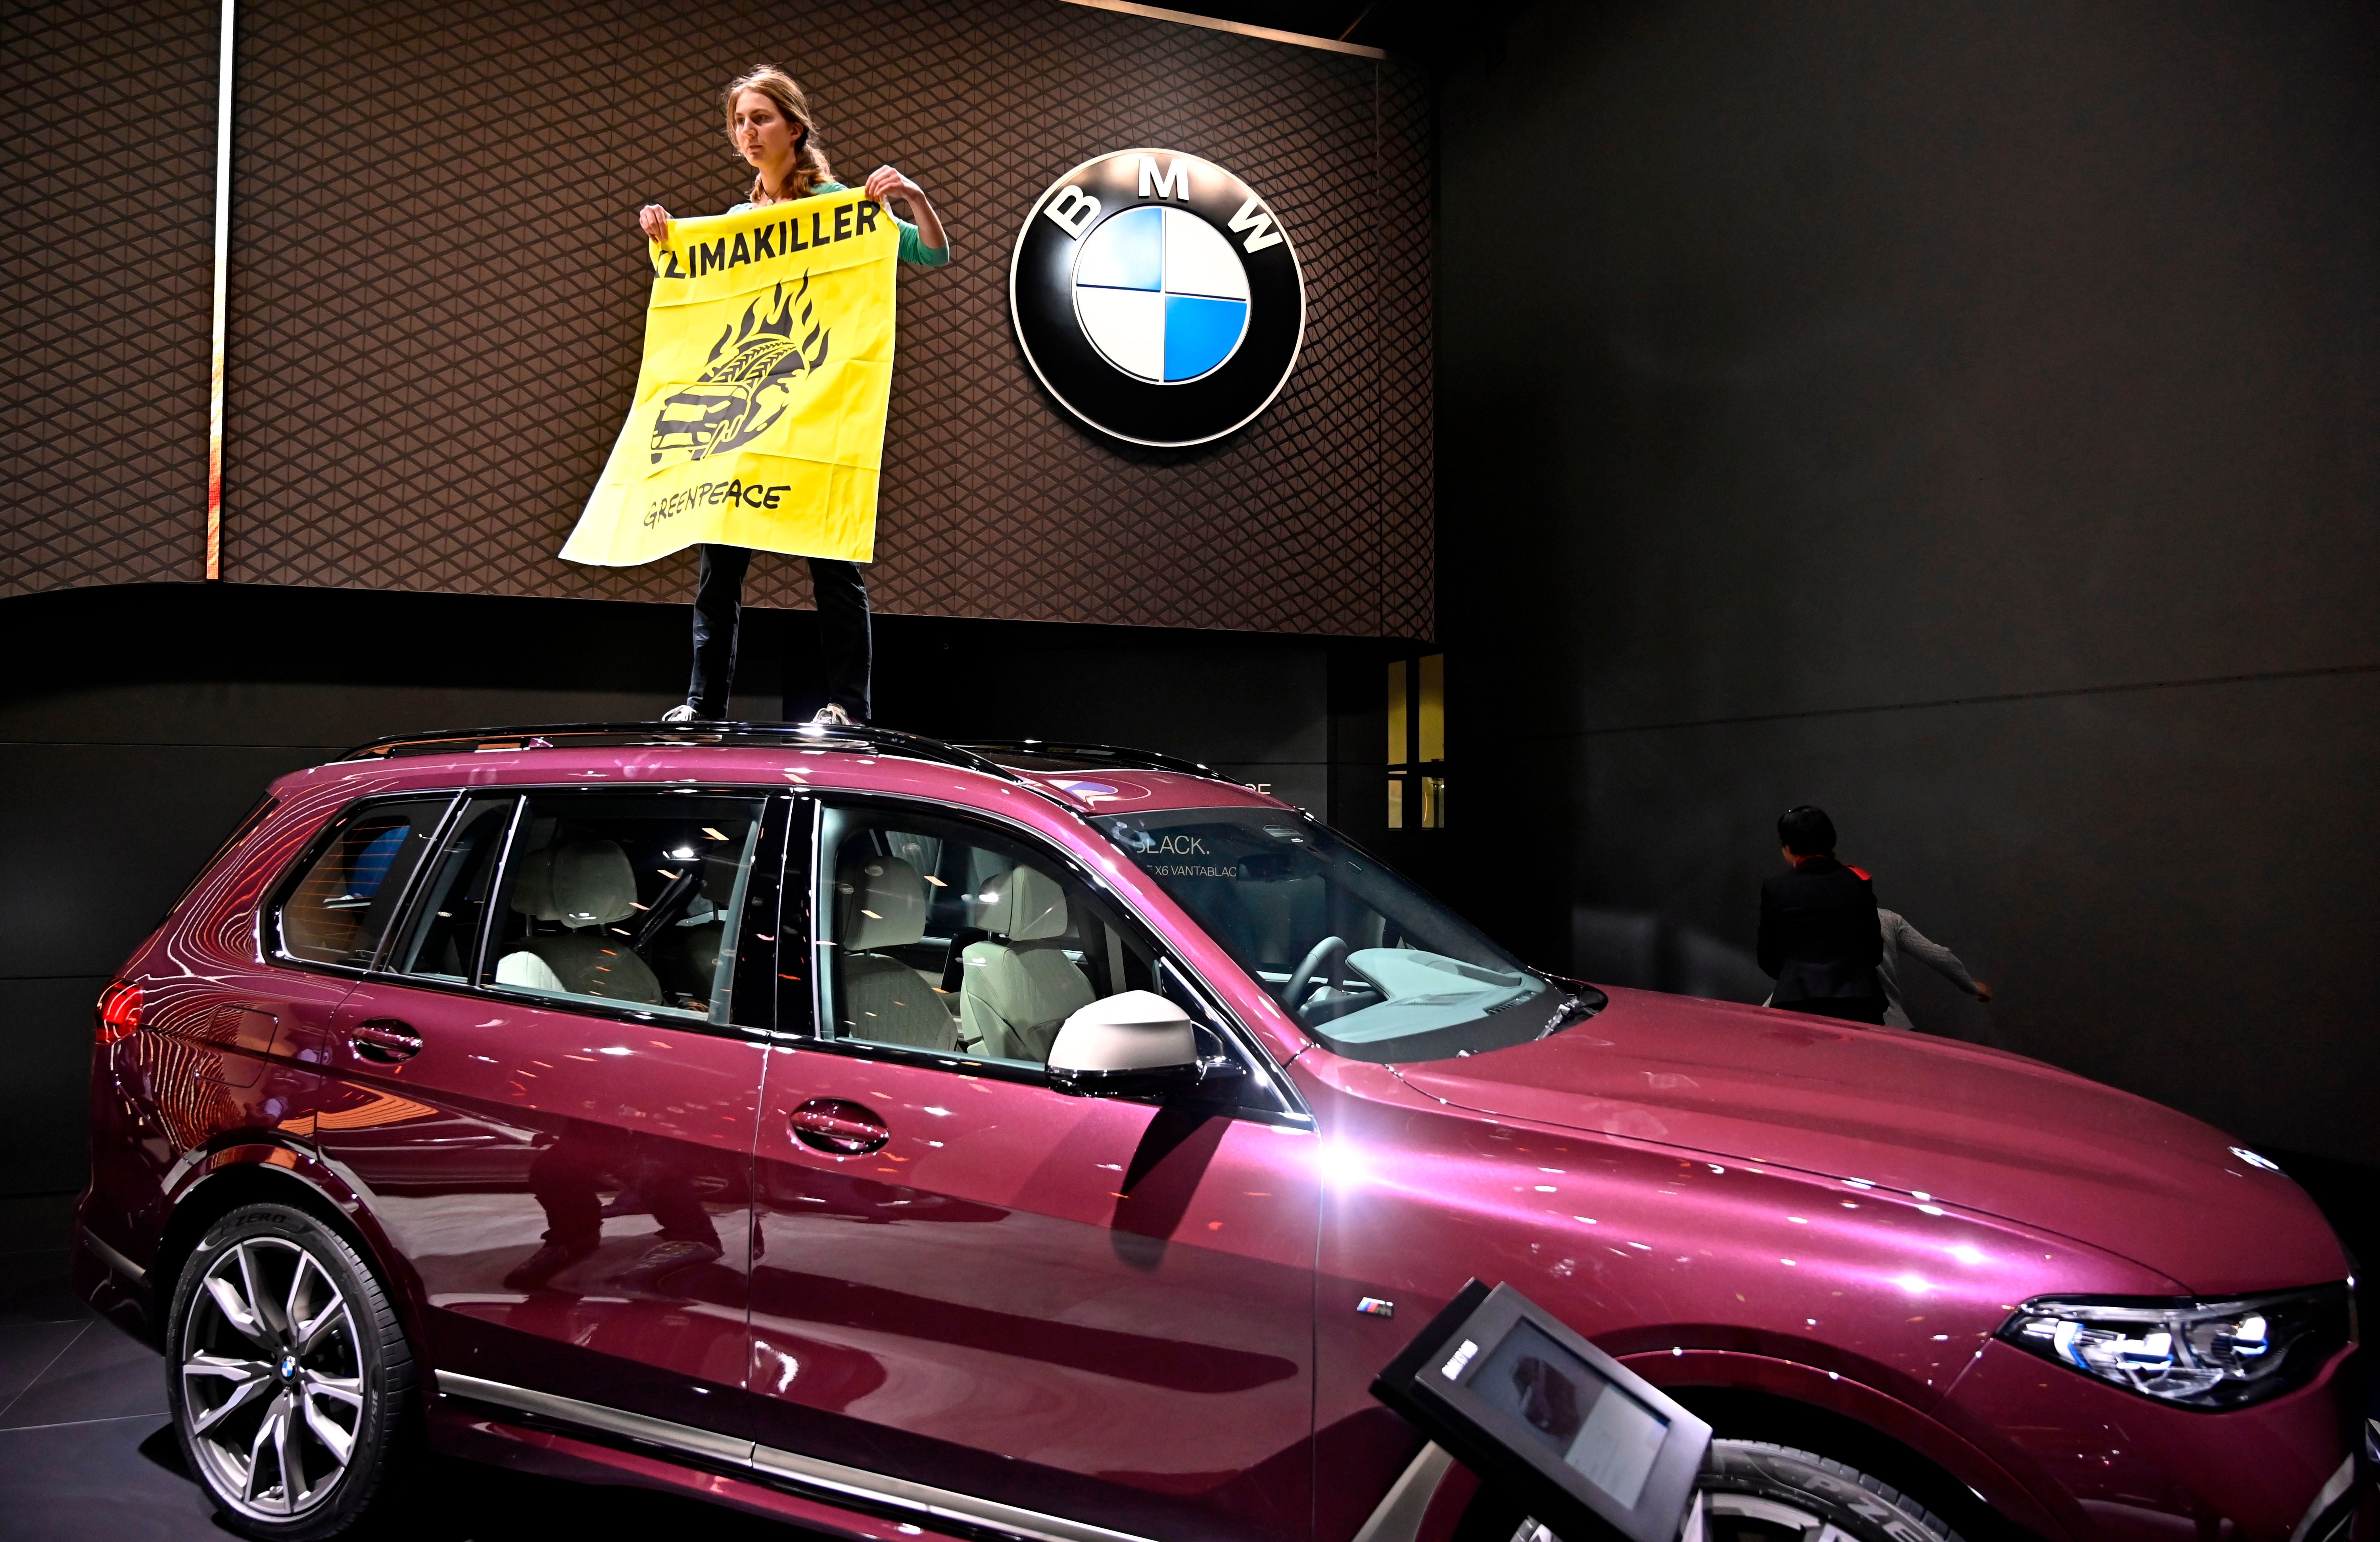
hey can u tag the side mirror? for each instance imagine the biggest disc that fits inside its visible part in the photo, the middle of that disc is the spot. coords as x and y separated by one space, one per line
1134 1044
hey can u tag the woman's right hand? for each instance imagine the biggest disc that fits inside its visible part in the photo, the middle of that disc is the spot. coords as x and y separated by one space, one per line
654 221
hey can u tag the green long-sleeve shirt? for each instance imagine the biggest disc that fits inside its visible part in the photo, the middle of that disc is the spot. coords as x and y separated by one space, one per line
913 249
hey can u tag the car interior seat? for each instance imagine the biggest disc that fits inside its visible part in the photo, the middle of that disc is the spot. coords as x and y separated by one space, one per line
586 886
1017 988
879 903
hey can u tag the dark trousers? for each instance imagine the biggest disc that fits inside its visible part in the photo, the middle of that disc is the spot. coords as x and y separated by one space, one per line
845 645
1850 1009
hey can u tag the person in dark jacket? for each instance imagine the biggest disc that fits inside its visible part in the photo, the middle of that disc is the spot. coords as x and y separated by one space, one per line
1820 940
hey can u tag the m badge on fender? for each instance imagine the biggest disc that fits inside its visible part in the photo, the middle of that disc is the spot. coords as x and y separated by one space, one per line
1157 297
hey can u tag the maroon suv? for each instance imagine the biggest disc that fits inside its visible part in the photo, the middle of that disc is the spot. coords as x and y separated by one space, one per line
1040 1143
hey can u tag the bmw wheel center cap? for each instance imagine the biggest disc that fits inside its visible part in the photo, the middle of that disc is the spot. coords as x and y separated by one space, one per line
1157 297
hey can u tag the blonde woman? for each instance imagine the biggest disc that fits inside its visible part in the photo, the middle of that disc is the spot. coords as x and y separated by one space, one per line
771 125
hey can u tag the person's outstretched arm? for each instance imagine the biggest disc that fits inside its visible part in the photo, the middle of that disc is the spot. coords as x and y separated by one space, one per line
1939 959
923 240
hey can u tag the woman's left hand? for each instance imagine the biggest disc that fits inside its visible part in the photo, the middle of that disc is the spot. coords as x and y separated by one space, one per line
885 185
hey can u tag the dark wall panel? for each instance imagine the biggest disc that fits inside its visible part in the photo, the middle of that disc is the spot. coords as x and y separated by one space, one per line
106 286
438 301
2066 849
42 1139
1870 353
1889 391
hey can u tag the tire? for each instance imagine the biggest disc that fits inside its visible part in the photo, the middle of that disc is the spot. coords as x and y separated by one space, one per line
317 1382
1756 1492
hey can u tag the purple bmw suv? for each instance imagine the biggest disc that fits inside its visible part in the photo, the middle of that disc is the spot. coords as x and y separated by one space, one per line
1051 1143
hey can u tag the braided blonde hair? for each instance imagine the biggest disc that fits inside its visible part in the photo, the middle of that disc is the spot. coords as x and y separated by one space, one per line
810 168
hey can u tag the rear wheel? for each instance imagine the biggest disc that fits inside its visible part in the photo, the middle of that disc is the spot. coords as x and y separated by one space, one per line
287 1375
1756 1492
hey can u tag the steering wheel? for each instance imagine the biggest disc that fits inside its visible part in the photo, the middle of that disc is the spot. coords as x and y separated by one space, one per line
1332 951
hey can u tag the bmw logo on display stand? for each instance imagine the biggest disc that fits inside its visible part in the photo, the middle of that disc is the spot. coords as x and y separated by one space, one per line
1157 297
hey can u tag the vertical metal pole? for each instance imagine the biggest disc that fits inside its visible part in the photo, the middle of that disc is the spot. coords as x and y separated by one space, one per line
223 292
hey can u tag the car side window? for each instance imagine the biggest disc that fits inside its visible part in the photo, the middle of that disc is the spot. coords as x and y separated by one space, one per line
624 898
338 910
940 934
443 939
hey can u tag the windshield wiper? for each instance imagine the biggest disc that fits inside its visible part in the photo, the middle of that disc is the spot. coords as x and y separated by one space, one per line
1574 1010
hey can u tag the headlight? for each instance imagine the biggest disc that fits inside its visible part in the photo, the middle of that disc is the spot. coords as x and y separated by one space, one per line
2197 1354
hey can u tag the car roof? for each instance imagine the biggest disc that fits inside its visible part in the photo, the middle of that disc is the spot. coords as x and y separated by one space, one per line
1086 778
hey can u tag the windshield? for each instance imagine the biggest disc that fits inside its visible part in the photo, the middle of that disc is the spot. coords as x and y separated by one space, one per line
1371 966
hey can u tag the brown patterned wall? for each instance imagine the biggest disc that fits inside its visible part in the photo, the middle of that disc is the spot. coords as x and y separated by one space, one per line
437 304
107 283
1408 539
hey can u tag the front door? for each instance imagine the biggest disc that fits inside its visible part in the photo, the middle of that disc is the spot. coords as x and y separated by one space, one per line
1092 1310
545 1090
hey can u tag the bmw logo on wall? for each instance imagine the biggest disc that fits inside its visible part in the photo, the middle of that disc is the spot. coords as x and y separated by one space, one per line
1157 297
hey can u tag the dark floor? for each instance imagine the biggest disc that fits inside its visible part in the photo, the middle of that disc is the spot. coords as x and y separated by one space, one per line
86 1454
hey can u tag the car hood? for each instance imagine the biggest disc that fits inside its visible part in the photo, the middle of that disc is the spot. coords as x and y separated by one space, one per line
1950 1123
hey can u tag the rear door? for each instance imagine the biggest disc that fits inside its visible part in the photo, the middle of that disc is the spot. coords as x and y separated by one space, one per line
240 997
547 1088
1092 1310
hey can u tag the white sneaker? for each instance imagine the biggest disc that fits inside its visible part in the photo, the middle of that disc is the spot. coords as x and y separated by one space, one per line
832 716
681 712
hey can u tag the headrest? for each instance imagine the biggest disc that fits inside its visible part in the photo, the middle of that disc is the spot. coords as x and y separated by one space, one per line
579 883
1023 905
883 902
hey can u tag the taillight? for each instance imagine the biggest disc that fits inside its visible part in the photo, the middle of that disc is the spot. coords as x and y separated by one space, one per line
119 1013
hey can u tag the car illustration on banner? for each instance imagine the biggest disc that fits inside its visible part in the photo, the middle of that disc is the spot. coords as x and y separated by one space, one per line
1157 297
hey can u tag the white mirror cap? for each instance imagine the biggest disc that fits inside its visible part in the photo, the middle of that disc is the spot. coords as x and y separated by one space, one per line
1132 1031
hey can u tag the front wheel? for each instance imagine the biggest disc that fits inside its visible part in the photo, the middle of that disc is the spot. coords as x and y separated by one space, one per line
1756 1492
287 1375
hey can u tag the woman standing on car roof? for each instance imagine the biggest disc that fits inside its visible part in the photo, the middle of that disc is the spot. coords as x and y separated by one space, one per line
771 125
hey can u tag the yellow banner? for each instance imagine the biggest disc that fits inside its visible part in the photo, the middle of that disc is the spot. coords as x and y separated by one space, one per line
760 412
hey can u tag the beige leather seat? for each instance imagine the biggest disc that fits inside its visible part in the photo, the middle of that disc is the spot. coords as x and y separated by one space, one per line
880 902
587 886
1018 989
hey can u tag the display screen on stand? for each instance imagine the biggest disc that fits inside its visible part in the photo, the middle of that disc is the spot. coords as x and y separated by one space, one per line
1594 1450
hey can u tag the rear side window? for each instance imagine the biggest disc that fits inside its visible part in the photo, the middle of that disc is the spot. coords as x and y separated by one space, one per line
337 910
625 899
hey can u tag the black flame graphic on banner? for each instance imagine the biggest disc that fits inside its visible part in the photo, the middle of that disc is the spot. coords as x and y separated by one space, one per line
725 409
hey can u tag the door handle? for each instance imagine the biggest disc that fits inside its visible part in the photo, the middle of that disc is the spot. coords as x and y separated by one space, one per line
385 1038
838 1127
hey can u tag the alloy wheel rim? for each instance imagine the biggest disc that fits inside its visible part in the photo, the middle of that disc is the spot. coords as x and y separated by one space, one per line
1754 1516
1742 1516
272 1391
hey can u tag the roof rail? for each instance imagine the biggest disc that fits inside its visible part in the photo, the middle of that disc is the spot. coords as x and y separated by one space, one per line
1102 754
772 735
